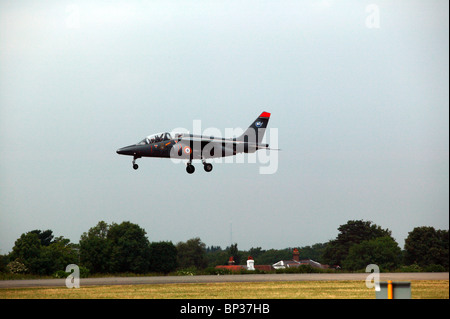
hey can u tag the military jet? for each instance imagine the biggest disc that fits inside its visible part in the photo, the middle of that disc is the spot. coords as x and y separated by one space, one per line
198 147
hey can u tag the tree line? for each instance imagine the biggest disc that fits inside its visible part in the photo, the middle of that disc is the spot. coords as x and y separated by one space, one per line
125 248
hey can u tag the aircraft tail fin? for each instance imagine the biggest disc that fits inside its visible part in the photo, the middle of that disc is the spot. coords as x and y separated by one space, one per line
255 132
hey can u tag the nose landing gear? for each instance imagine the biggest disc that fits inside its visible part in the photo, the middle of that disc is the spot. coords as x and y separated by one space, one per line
135 166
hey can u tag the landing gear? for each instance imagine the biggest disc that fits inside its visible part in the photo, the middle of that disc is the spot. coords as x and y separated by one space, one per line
207 167
190 168
135 166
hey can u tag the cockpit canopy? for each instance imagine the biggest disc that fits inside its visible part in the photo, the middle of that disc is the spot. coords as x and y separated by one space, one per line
155 138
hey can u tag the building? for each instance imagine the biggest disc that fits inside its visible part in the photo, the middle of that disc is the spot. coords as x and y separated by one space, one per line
282 264
231 266
250 266
297 262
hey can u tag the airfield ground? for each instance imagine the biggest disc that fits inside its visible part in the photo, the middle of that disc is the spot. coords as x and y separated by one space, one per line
266 290
432 287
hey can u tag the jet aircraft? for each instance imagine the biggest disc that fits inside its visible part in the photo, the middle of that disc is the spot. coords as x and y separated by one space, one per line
198 147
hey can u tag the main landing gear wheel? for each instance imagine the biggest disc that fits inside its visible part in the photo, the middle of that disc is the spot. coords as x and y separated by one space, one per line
190 168
207 167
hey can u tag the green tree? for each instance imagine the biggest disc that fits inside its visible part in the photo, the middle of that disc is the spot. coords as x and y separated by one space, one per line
41 254
427 246
314 252
217 256
56 256
352 233
234 252
382 251
95 249
130 250
45 236
163 257
27 250
115 248
3 262
192 254
271 256
255 252
213 249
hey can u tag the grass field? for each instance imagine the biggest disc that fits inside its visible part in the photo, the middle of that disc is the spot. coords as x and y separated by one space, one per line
420 289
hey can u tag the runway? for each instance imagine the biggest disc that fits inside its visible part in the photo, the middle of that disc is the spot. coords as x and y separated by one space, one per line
151 280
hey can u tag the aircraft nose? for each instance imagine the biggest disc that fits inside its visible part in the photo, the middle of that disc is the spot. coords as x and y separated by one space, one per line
127 150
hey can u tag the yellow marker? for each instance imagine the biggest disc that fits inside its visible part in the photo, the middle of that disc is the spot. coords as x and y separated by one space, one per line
390 290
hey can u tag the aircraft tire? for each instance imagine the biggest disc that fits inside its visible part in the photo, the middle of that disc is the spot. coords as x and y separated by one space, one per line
207 167
135 166
190 169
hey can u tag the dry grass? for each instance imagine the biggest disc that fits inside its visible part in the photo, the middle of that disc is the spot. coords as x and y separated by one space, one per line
261 290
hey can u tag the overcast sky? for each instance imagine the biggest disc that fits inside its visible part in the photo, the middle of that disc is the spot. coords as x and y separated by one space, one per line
358 92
